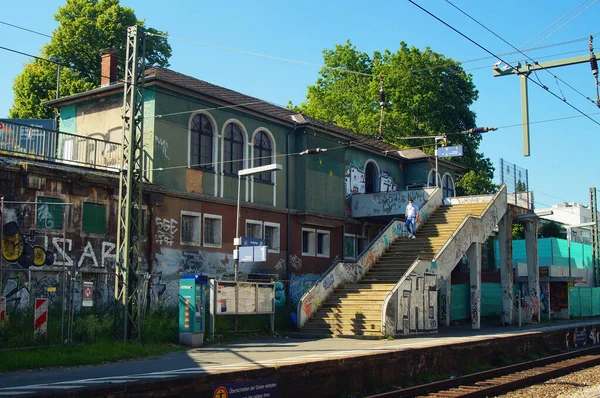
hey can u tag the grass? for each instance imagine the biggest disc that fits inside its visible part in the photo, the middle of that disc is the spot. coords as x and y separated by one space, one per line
84 354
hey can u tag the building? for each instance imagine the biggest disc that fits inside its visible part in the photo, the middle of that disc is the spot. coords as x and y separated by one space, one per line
567 214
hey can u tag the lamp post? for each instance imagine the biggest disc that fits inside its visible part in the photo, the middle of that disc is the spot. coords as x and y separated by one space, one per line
57 62
237 241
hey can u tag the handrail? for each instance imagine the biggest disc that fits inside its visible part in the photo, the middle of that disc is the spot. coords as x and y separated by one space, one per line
394 289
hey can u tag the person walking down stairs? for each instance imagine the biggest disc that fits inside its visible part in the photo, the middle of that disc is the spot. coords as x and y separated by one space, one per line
411 218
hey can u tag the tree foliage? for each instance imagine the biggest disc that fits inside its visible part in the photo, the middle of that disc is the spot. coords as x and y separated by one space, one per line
475 183
85 28
425 94
518 231
552 229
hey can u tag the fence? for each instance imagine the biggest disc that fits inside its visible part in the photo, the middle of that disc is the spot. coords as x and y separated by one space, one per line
44 144
584 301
517 184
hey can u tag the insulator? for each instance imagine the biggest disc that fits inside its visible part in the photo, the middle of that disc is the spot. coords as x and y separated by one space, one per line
594 65
381 97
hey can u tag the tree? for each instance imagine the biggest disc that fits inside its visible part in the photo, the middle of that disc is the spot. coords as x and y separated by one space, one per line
475 183
552 229
518 231
425 94
85 28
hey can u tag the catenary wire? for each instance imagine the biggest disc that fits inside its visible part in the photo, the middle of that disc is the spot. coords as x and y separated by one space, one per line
525 55
499 58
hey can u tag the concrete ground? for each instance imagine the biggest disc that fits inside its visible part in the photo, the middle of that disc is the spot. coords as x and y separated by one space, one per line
246 355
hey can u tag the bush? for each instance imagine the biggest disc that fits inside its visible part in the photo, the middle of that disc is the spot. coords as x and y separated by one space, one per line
161 325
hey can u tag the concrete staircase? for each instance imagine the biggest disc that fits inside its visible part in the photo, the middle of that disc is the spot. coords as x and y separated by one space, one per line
354 310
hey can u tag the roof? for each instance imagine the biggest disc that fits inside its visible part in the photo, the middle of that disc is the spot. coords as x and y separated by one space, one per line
224 95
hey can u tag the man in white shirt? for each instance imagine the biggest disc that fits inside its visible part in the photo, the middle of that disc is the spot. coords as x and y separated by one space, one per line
411 217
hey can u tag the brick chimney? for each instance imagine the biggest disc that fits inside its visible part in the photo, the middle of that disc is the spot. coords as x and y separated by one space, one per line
108 73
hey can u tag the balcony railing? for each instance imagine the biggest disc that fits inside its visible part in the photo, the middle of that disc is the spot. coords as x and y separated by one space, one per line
56 146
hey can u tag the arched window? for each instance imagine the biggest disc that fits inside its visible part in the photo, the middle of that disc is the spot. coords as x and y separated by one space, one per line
263 155
234 149
448 186
371 178
201 150
431 179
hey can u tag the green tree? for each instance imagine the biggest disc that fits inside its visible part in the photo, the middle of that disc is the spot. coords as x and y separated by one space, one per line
475 183
521 187
518 231
85 28
425 94
552 229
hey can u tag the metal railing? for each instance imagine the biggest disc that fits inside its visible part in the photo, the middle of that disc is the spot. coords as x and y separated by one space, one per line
56 146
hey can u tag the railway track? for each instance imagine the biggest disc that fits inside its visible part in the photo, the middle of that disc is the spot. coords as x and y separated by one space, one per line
498 381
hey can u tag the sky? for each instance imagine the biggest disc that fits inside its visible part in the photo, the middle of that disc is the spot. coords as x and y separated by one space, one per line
562 166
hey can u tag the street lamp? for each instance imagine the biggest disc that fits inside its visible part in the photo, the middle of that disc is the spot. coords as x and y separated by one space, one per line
237 241
57 62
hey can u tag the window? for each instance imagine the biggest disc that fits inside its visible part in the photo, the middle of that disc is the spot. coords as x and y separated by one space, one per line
253 229
263 155
234 149
308 242
371 178
448 186
201 141
350 246
94 218
431 179
190 228
49 213
322 243
272 237
212 230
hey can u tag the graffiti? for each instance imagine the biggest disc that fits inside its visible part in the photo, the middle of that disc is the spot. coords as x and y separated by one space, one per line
163 144
535 303
580 337
559 296
300 284
44 216
474 304
60 245
443 309
16 292
353 270
354 178
295 262
279 294
544 306
20 249
328 281
397 229
280 264
165 231
418 299
386 182
42 287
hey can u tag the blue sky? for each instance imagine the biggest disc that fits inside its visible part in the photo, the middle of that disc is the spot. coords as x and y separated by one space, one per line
563 164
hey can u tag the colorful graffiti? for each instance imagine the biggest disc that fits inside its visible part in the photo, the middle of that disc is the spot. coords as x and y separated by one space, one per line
19 248
300 284
583 336
354 177
544 301
279 294
475 306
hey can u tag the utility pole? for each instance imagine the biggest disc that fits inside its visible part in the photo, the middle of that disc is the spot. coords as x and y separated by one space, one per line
524 71
128 293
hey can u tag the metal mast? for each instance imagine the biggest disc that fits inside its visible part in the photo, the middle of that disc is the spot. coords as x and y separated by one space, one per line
595 256
129 239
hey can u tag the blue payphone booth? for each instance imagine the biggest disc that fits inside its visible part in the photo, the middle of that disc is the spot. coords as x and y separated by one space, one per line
192 292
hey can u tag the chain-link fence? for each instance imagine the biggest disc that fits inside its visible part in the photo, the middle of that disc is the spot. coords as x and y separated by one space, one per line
517 184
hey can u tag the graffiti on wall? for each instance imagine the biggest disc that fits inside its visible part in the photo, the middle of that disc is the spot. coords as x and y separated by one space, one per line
279 294
22 249
544 300
300 284
165 231
474 304
582 336
417 310
355 181
559 296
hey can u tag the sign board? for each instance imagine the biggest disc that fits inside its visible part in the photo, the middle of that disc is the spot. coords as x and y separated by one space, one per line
252 241
88 294
251 254
247 301
265 388
226 298
450 151
260 253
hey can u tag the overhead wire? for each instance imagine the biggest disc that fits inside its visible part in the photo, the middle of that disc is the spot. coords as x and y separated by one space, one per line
499 58
525 55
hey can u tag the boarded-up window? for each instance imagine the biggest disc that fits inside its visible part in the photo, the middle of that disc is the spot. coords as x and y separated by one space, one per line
94 218
49 214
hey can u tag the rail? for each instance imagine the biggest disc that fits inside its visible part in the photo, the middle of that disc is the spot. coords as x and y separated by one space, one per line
57 146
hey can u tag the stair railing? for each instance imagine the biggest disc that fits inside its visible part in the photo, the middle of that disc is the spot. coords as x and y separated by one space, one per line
471 229
388 298
345 272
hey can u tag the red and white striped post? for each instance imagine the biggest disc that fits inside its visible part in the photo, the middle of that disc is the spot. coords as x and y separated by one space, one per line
2 309
40 322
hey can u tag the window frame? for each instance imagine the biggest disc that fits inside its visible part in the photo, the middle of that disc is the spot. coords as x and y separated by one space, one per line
199 228
277 228
448 177
314 242
210 166
322 232
354 242
260 159
83 212
229 146
429 178
254 222
212 217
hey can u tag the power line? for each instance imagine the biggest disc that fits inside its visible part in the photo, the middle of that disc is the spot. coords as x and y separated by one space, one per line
497 57
547 120
525 55
25 29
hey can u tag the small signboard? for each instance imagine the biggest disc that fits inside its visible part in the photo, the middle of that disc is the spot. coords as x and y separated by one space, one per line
252 241
264 388
450 151
251 254
88 294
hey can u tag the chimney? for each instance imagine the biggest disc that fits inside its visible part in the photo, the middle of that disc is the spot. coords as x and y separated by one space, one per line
108 73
